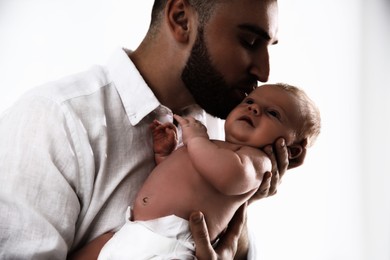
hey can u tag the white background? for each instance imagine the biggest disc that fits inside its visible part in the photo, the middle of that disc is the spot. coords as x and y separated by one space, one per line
337 205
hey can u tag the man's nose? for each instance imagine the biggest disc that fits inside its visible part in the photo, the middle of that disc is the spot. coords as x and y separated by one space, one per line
260 65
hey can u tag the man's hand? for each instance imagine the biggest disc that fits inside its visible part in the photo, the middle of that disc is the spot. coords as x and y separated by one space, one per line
278 154
228 245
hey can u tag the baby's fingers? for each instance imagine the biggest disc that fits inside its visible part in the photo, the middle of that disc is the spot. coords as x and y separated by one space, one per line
154 124
181 120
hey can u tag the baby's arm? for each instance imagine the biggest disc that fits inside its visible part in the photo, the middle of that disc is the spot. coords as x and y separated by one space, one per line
164 139
230 171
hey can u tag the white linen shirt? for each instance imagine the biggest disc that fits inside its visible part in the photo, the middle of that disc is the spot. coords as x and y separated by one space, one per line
73 155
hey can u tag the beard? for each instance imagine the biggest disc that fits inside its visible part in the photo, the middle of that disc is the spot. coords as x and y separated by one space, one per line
207 85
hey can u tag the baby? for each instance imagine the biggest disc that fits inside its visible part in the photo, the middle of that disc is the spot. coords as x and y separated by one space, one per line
214 177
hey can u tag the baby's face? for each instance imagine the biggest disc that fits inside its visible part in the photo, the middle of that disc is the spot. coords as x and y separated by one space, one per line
268 113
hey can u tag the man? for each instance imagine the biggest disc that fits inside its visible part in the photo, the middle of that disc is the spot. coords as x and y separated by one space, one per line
75 152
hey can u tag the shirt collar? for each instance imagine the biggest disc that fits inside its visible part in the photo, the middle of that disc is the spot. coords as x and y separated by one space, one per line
137 98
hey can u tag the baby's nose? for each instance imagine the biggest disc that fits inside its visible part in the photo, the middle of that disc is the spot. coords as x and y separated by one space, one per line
254 109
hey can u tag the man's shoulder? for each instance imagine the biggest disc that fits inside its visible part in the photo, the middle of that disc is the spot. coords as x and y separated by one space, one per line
82 94
73 86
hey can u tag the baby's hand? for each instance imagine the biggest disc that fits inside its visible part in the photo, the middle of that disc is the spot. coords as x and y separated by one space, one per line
164 137
191 128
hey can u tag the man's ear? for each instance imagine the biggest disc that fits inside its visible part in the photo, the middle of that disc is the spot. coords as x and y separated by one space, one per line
177 13
294 151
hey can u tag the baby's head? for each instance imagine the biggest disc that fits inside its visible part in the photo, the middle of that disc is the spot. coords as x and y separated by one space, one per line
272 111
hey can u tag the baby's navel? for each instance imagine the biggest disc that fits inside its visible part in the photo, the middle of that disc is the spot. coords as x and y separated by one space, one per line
145 201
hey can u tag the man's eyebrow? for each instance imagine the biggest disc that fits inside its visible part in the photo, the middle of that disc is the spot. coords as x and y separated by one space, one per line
257 30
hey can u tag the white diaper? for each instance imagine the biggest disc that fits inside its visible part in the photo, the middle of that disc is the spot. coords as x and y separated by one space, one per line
160 239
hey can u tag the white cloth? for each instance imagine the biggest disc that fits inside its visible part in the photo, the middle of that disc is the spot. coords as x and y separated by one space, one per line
160 239
73 155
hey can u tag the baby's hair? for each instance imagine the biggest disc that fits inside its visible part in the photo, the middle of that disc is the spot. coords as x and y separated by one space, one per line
310 115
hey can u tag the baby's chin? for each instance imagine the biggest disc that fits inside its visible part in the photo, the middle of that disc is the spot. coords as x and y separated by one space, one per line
238 141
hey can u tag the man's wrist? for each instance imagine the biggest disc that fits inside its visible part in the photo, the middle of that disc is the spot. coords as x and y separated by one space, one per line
243 244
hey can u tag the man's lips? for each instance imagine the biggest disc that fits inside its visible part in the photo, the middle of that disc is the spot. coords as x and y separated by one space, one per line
241 93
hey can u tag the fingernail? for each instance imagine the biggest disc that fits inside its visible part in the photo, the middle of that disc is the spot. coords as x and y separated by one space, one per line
282 143
197 217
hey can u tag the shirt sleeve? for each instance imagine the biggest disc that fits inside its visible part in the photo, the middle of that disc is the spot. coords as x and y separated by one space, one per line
38 168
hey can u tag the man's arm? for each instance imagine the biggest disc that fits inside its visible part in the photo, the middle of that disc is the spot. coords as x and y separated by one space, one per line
278 154
92 250
38 205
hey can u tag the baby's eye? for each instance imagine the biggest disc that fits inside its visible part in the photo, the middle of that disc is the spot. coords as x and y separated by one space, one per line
274 113
248 101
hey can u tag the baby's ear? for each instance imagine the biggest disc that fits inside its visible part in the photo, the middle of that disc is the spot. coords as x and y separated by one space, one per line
294 151
297 154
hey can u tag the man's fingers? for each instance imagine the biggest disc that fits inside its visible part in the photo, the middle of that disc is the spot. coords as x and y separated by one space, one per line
201 237
263 190
279 159
228 243
281 156
227 246
274 180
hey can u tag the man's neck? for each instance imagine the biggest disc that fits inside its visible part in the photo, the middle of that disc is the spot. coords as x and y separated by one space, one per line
162 72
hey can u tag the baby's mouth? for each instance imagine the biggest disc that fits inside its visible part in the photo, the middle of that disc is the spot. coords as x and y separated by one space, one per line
247 119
